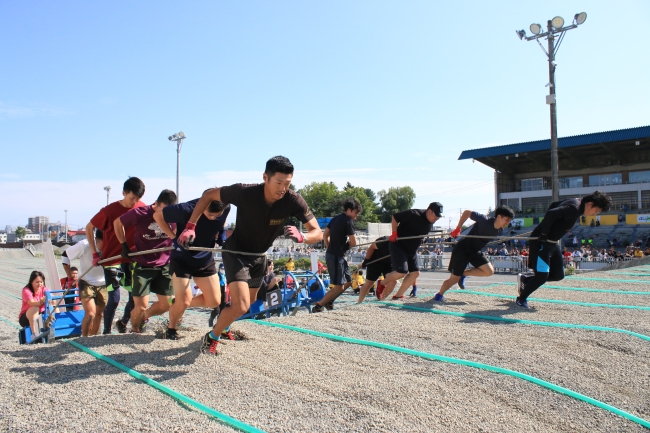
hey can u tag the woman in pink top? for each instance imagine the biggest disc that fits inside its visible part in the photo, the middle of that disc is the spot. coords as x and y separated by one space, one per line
33 301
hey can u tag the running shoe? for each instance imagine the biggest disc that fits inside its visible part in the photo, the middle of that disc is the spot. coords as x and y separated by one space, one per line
170 334
121 327
414 293
133 331
143 325
461 282
316 308
397 298
209 345
380 290
438 297
329 306
522 303
228 334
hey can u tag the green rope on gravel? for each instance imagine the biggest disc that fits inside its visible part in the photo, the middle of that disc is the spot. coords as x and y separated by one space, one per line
610 280
458 361
553 301
632 274
225 419
521 321
581 289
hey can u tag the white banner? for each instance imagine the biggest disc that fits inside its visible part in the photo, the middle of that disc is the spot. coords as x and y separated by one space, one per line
643 219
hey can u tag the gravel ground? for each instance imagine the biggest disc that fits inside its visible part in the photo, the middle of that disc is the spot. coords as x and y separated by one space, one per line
280 380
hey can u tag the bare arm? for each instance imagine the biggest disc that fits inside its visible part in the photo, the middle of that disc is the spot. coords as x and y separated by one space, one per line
464 217
393 224
159 218
353 240
326 237
314 233
119 230
90 235
208 197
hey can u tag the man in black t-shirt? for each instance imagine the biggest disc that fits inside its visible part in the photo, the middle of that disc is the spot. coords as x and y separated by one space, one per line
546 259
261 212
468 250
378 255
339 237
403 253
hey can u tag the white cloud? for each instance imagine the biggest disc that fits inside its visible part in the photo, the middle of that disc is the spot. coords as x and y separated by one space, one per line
35 110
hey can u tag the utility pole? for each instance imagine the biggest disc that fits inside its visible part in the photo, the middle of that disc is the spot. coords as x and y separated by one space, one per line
108 194
178 138
66 226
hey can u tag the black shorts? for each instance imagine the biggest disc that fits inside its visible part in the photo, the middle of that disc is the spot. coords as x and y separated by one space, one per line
401 261
248 269
338 269
182 270
459 260
375 270
23 320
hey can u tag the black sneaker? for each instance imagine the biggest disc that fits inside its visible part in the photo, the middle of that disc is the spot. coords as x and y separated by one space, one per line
316 308
522 303
329 306
209 345
170 334
121 327
461 282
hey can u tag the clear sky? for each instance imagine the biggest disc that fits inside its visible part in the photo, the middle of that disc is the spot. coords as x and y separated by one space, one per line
375 93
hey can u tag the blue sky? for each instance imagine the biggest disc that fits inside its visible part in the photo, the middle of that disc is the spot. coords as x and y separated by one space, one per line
376 93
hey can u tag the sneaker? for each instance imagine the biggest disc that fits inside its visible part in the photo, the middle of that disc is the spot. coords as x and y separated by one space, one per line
133 331
380 290
461 282
170 334
228 334
121 327
329 306
522 303
397 298
209 345
520 284
143 325
316 308
438 297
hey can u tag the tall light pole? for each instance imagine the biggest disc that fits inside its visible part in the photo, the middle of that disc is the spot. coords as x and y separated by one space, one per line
108 194
554 28
66 226
178 138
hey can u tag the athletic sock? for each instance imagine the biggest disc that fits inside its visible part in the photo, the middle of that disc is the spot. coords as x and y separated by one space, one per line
227 330
213 336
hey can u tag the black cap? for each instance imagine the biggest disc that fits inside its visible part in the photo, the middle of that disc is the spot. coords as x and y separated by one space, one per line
436 208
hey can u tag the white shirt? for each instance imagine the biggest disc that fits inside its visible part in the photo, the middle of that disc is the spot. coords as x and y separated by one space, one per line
81 251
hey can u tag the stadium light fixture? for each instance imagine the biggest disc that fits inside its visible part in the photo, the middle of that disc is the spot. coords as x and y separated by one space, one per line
521 34
178 138
557 22
535 29
580 18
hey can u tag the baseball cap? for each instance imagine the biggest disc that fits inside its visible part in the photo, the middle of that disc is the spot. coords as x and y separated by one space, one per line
436 208
221 266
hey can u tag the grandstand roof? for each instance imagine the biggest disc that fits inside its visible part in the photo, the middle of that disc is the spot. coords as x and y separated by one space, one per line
639 133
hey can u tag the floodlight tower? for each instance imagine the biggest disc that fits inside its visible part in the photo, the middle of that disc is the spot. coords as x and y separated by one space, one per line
178 138
554 27
108 194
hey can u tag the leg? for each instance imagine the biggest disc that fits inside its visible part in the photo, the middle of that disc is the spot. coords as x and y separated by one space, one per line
90 311
109 311
332 294
128 308
158 308
31 314
448 283
485 270
408 282
390 281
539 261
211 296
183 294
240 295
140 304
363 292
556 271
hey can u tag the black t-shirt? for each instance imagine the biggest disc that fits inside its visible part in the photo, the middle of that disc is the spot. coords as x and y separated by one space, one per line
412 222
382 250
483 226
264 287
259 224
341 226
206 232
560 217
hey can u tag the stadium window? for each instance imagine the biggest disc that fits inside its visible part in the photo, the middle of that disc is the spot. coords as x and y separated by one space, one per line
571 182
606 179
639 176
536 184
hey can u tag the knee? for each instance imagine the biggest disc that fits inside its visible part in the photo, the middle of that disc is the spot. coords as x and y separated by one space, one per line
240 307
489 272
90 316
415 274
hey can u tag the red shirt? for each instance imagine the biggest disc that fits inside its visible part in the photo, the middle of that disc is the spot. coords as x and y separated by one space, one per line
104 222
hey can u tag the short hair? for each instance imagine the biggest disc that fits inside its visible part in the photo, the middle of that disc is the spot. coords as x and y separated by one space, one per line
134 185
167 196
99 234
74 269
279 164
352 204
216 206
598 199
360 272
504 211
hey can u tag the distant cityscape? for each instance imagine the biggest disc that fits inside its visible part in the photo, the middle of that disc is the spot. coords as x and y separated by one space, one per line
39 229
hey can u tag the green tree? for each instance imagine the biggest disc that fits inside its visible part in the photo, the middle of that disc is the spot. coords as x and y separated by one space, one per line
20 232
323 198
396 199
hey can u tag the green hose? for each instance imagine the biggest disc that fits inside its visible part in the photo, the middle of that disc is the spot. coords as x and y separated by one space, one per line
554 301
232 422
580 289
610 280
525 322
467 363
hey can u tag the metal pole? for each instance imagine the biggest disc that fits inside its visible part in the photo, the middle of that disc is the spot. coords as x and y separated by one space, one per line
555 179
66 226
178 169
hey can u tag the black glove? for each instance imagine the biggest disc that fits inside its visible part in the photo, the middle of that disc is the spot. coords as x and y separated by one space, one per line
543 237
125 251
364 263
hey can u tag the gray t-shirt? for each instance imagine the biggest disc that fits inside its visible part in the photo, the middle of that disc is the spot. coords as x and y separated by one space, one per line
483 226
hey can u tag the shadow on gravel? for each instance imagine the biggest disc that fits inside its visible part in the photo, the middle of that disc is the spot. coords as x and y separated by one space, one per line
51 364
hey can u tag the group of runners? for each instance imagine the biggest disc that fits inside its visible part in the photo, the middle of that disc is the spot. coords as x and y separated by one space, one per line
130 226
